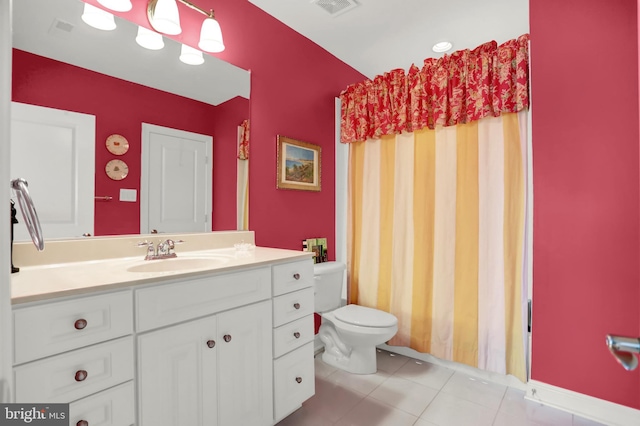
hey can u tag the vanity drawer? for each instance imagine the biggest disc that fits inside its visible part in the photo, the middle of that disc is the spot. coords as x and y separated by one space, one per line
293 335
112 407
292 276
292 306
294 380
162 305
60 378
52 328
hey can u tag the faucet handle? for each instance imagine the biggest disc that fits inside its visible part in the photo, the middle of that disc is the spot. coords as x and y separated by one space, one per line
151 251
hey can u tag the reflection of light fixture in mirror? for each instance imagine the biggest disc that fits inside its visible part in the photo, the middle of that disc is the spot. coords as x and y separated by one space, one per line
98 18
191 56
149 39
164 17
117 5
443 46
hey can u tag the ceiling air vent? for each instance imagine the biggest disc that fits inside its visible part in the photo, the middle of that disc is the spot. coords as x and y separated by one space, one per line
60 28
336 7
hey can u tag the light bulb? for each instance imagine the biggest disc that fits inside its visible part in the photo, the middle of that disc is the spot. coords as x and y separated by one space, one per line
164 17
191 56
149 39
211 36
98 18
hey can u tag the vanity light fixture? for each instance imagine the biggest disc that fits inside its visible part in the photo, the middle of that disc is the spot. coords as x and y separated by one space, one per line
98 18
443 46
191 56
149 39
164 17
117 5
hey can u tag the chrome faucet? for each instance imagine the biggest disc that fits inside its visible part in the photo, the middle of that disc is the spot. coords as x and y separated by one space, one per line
164 249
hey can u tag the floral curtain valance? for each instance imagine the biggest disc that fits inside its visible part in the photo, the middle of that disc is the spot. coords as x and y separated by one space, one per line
459 88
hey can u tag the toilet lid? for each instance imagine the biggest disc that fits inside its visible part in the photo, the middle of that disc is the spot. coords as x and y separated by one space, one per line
365 317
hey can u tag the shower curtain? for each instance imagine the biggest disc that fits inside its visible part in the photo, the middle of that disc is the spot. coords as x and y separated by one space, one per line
437 202
242 179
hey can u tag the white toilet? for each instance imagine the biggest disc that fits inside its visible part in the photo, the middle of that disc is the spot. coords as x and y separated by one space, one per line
349 333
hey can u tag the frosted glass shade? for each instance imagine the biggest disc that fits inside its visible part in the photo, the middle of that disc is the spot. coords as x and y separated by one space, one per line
98 18
149 39
164 17
117 5
211 36
191 56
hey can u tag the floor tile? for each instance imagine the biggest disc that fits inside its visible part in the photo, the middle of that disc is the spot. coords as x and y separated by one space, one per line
475 390
404 395
370 412
332 401
449 410
422 422
503 419
322 369
305 417
390 362
514 404
362 383
425 373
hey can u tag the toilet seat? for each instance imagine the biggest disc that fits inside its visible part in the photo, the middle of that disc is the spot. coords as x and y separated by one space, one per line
364 317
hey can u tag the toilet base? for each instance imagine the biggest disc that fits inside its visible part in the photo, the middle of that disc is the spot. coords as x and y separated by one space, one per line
361 361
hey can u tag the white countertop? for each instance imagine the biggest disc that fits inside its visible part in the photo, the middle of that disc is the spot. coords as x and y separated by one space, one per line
43 282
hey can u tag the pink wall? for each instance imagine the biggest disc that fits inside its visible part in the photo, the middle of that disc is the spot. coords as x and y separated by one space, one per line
293 86
121 107
584 63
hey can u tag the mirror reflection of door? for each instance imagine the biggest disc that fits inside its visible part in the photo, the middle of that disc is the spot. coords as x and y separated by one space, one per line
53 150
176 181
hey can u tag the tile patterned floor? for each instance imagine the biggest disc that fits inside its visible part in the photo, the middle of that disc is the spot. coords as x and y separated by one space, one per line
406 392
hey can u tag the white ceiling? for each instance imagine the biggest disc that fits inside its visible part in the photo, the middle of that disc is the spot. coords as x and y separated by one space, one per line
378 36
116 53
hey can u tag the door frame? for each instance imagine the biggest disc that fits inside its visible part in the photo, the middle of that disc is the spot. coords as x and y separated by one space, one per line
147 129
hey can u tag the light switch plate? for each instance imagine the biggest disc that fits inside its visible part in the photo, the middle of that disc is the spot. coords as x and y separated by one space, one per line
128 195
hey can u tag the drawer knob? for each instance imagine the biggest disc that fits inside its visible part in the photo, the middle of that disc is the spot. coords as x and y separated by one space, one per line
82 423
296 335
80 324
299 379
81 375
227 338
296 305
296 276
211 343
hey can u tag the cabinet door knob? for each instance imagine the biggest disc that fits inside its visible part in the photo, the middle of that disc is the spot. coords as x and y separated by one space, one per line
296 276
81 375
299 379
80 324
211 343
227 338
296 305
296 335
82 423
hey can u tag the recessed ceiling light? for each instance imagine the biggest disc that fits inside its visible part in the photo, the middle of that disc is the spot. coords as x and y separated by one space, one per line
443 46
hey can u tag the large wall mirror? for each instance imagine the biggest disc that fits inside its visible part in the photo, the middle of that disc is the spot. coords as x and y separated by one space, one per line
60 62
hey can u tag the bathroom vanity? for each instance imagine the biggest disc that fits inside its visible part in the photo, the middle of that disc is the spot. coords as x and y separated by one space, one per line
224 337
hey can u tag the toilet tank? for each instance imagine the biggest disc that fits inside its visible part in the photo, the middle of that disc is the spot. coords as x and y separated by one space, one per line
328 278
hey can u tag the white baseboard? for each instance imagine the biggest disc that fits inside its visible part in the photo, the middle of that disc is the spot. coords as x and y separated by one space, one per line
586 406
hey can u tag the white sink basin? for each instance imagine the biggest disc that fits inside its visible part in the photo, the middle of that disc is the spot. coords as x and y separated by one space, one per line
177 264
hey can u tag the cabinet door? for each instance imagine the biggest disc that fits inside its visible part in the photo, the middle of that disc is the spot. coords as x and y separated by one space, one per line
244 366
177 375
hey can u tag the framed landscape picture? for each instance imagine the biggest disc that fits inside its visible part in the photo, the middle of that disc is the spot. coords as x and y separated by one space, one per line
298 165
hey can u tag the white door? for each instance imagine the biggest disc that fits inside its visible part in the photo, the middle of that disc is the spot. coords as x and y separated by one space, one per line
54 150
176 180
245 366
177 375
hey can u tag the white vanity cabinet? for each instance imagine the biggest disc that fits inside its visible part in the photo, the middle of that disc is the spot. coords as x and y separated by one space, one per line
293 333
80 351
221 348
210 371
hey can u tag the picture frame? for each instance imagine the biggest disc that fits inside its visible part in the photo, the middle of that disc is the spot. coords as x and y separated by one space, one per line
298 165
